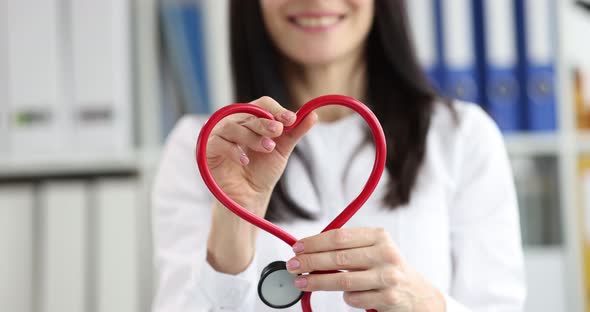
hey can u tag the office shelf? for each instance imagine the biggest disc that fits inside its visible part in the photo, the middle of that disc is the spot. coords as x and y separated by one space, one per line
583 142
532 144
71 164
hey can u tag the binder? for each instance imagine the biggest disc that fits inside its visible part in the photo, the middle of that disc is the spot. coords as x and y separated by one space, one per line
117 251
194 27
530 190
65 243
584 207
582 97
545 279
500 55
101 75
458 51
3 81
183 25
16 247
422 18
535 24
35 75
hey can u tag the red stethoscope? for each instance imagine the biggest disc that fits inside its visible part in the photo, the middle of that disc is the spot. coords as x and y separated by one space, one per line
276 287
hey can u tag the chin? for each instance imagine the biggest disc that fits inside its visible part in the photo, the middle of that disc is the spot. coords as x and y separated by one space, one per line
315 56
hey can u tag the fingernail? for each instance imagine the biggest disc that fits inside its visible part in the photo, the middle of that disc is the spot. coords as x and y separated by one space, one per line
288 115
300 282
298 247
273 126
293 264
244 159
268 144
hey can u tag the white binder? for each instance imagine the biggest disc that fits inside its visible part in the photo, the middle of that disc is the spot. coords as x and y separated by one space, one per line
35 83
100 55
421 16
16 248
545 277
64 273
117 250
3 81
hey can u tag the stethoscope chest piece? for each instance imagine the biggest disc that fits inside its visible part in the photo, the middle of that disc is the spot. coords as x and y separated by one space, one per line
276 287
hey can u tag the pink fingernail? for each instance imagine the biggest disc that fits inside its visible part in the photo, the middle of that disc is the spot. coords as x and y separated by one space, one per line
298 247
288 116
293 264
273 126
268 144
244 159
301 282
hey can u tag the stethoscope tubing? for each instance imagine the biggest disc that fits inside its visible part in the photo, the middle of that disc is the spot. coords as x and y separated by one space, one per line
265 225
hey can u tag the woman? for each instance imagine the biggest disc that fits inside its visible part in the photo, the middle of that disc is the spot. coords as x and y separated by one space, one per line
441 231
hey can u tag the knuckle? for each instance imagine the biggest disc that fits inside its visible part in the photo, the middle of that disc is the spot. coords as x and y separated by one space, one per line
226 127
351 298
389 276
389 254
390 297
381 233
215 142
342 258
261 125
267 102
340 237
344 282
266 99
307 263
246 119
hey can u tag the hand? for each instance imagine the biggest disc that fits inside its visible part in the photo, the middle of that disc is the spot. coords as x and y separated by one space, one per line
246 156
376 276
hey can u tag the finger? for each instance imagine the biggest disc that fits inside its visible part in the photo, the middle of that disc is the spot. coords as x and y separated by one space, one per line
347 259
263 127
342 281
282 114
243 136
219 149
373 299
345 238
289 139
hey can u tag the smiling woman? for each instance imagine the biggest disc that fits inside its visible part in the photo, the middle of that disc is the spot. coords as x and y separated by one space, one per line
428 238
318 33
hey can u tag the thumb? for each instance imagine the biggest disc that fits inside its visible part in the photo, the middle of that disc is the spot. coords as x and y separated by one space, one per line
286 143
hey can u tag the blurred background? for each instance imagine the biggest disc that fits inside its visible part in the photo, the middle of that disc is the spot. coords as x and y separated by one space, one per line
89 89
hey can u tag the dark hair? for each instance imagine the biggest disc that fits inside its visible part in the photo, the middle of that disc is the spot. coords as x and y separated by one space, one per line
398 91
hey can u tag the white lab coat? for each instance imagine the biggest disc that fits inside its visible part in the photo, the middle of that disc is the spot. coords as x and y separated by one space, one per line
460 229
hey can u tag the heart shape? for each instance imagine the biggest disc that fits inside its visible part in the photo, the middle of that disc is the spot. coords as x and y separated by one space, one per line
346 214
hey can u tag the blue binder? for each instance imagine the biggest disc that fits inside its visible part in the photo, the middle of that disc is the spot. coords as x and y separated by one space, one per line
537 68
498 59
183 26
194 24
456 46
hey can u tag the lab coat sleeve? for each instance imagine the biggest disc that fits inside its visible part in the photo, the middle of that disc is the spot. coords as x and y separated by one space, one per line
180 220
488 270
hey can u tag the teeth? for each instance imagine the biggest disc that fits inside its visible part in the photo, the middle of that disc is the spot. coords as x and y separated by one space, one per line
316 21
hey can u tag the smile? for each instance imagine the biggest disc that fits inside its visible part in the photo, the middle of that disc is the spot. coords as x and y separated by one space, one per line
316 22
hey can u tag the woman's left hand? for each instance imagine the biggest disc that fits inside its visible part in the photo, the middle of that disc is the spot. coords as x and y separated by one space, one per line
376 276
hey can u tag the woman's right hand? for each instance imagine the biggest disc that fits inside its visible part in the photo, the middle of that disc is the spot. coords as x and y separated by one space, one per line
246 156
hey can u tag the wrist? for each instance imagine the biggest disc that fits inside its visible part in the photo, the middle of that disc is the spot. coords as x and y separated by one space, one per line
231 243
